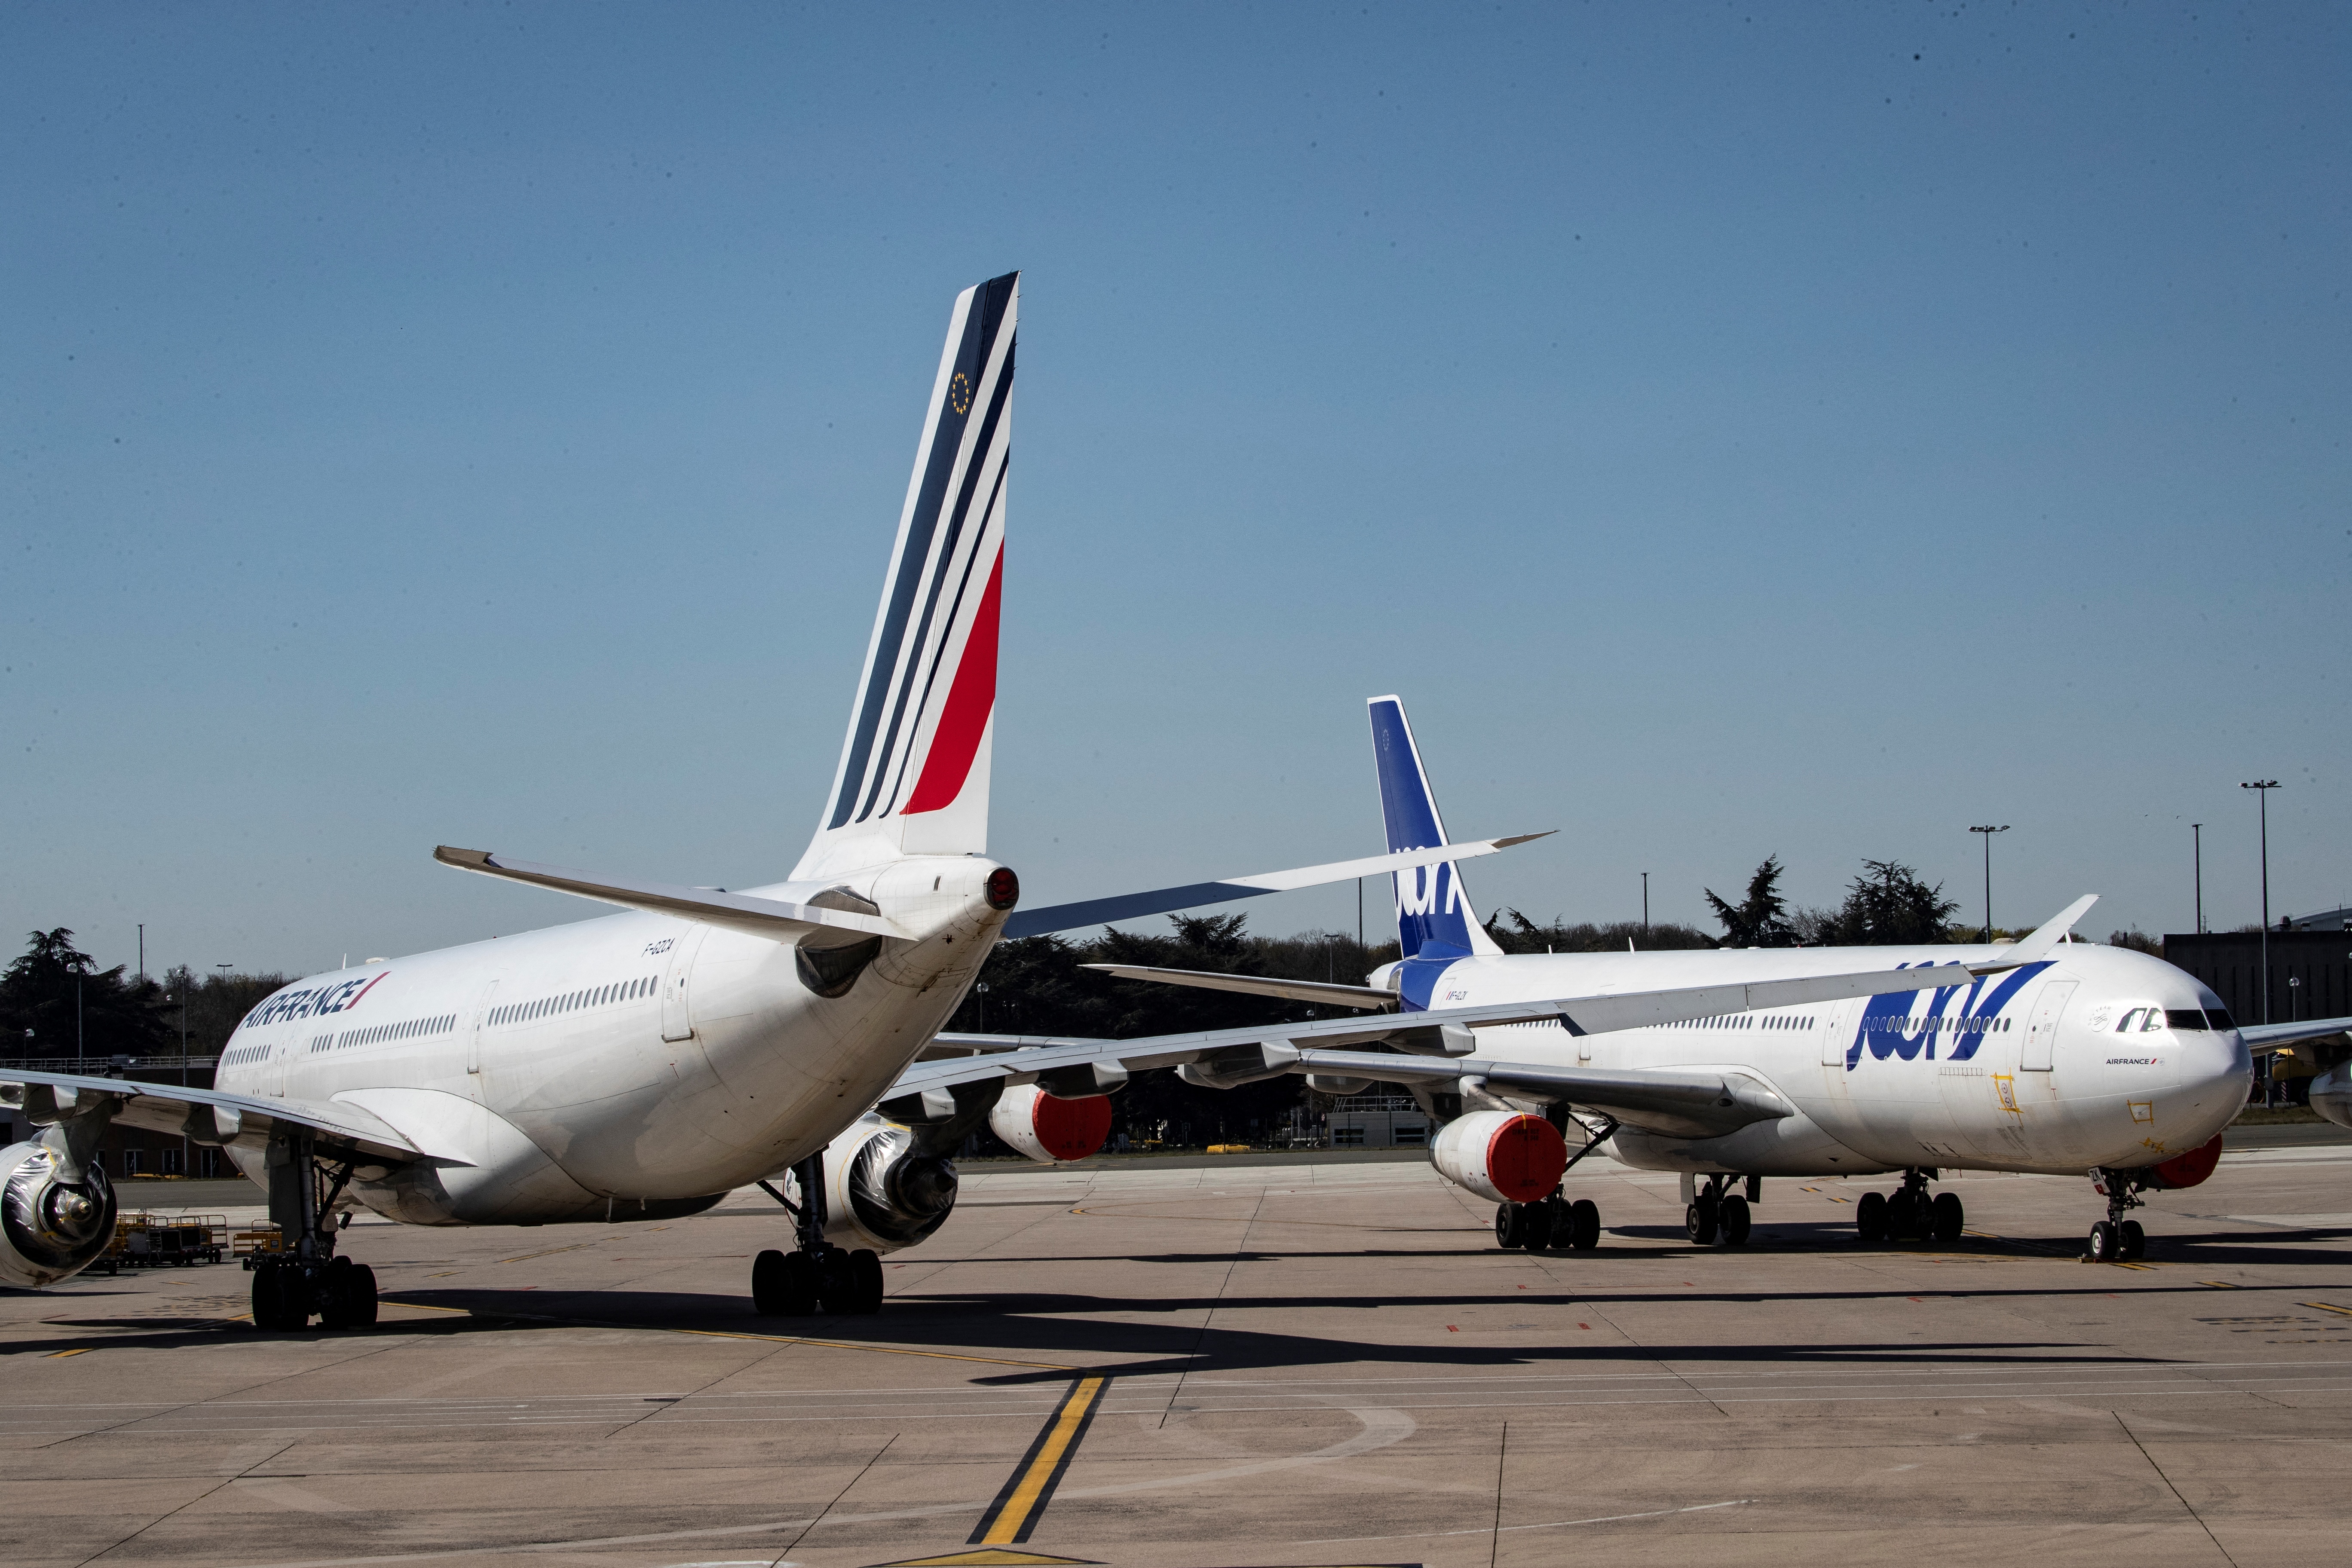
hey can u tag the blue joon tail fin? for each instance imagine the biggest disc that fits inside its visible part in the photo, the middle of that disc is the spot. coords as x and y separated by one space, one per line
1432 905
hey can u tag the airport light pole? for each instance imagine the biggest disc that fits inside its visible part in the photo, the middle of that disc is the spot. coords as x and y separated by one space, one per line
1987 832
2197 861
2262 788
1645 903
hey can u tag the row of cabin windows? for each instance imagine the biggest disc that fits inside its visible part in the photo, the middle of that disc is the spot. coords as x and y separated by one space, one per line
410 1029
1905 1024
1746 1021
2141 1020
244 1054
571 1001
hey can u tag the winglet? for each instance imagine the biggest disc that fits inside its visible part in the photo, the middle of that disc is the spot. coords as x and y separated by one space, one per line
2037 945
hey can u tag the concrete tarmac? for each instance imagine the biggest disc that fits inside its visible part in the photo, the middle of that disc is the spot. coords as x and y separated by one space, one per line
1294 1363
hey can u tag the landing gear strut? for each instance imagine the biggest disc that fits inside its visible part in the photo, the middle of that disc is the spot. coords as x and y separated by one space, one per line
817 1276
1717 1213
2115 1240
306 1277
1909 1213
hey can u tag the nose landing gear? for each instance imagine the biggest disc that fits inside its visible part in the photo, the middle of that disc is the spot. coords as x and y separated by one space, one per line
2115 1240
817 1276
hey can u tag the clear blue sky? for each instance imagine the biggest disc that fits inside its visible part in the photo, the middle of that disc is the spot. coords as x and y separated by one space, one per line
1733 430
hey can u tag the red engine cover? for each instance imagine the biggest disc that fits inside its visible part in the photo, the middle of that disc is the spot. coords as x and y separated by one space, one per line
1524 1158
1072 1128
2188 1169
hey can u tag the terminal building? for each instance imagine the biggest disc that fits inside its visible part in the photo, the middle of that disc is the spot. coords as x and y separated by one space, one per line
2310 969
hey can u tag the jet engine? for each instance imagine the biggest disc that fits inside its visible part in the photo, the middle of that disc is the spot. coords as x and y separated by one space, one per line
881 1190
2331 1094
53 1223
1504 1156
1049 1129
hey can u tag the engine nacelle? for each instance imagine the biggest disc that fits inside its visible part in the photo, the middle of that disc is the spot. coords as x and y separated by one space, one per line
2186 1169
1048 1129
1504 1156
880 1191
50 1229
2331 1094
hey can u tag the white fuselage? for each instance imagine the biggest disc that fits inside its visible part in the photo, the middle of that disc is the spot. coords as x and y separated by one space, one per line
2056 1067
633 1065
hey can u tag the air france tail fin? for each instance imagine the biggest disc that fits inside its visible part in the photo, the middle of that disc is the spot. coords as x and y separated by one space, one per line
913 777
1432 906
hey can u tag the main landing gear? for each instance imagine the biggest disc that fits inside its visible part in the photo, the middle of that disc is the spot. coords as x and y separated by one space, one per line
1715 1213
2115 1240
1551 1222
817 1276
306 1277
1910 1214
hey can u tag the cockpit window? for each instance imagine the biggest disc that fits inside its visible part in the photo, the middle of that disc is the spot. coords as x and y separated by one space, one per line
2184 1018
2219 1018
2154 1021
2129 1021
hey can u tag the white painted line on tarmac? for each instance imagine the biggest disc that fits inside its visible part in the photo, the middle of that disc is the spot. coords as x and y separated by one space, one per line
1554 1524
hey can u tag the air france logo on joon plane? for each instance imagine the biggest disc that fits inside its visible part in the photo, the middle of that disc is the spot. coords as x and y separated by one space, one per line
1896 1025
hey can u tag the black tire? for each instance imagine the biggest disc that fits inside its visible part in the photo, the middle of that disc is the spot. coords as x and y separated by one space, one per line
280 1300
1538 1224
1583 1224
1949 1216
865 1277
348 1298
836 1286
783 1284
1510 1227
2104 1242
1699 1222
1736 1221
2131 1241
1870 1217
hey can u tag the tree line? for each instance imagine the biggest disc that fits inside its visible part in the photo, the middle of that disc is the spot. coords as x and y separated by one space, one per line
56 1002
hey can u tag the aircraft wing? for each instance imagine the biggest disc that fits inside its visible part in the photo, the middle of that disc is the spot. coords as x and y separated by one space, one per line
1258 884
209 1116
2274 1036
1366 998
1435 1044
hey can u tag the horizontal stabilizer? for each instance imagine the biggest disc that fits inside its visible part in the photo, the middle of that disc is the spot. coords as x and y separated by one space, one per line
1365 997
766 918
1167 901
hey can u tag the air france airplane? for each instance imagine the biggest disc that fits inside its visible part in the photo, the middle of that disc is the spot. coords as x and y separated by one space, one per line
2047 1056
644 1065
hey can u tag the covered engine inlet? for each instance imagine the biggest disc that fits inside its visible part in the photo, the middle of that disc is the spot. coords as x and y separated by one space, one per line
54 1222
882 1191
1502 1156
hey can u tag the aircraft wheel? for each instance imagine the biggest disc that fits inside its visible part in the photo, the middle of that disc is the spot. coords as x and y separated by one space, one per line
865 1279
1949 1216
1510 1225
2106 1242
278 1303
1583 1224
1870 1217
1538 1223
2131 1240
836 1285
1736 1221
783 1284
349 1297
1699 1222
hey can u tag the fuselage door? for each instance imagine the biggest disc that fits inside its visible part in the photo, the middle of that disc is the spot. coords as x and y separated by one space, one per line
678 1015
2042 1033
482 1022
1837 1030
